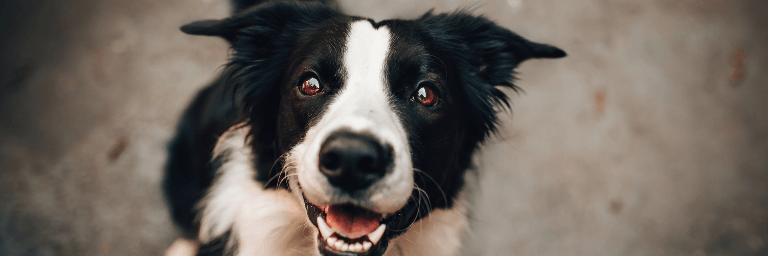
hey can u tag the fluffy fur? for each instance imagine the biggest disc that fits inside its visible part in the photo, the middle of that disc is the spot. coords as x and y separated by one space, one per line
245 174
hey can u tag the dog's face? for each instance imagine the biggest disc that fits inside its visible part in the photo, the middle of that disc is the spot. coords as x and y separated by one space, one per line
358 118
374 122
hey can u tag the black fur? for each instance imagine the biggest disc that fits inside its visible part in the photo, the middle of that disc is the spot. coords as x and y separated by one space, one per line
275 44
218 247
249 82
188 173
475 57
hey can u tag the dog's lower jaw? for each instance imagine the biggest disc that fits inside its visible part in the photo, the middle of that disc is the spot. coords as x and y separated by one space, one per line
438 234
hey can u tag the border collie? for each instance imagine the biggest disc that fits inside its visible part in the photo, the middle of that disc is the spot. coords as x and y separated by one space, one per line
329 134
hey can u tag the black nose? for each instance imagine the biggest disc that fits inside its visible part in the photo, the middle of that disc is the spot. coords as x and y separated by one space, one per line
354 161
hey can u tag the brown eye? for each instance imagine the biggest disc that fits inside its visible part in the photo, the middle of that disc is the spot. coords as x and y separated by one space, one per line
310 87
425 96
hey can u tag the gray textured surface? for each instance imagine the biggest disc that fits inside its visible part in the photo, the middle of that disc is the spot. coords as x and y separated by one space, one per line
651 138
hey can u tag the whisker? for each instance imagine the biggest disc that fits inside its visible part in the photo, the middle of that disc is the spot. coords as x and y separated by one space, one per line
286 177
429 203
433 180
279 158
277 175
418 207
421 195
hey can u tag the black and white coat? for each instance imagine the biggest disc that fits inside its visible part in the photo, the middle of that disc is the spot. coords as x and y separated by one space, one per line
319 115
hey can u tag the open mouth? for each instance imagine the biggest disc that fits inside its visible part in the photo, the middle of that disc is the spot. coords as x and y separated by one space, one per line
350 230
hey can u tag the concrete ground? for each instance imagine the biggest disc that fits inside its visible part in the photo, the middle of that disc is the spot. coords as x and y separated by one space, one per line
650 138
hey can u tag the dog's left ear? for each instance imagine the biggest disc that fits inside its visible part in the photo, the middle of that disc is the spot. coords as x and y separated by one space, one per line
486 56
488 43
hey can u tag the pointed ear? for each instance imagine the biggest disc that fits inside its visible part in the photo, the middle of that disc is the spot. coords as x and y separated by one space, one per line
488 44
486 56
222 28
266 20
527 50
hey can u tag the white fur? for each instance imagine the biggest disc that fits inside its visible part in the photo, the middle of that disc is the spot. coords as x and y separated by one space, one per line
263 222
182 247
362 106
439 234
274 222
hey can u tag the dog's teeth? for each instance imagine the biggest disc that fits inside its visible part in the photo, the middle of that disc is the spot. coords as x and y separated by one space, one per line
338 244
376 235
325 231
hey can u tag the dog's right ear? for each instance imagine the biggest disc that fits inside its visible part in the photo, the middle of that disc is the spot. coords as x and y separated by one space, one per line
262 38
222 28
265 20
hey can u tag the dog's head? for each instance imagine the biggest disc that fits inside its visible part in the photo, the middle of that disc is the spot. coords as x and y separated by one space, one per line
374 123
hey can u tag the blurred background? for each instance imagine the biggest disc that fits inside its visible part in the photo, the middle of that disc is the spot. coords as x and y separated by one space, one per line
650 138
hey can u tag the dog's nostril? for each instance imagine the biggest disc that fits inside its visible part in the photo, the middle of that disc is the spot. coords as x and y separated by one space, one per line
330 161
353 161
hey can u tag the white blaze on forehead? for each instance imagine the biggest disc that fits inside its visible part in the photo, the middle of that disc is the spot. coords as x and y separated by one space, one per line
365 56
364 96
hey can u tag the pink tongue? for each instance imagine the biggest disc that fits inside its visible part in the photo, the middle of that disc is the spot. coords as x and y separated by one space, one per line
352 222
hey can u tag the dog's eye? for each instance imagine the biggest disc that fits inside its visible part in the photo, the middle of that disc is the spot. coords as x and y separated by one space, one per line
425 96
310 86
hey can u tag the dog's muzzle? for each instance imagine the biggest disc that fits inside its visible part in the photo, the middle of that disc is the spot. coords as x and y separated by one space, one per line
353 163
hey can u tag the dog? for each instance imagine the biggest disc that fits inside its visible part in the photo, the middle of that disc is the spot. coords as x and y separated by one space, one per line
330 134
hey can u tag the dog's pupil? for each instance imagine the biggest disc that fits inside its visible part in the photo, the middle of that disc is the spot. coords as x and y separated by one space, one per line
311 86
425 96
